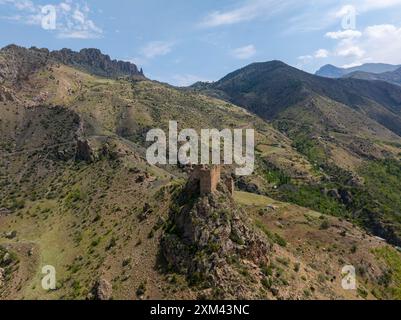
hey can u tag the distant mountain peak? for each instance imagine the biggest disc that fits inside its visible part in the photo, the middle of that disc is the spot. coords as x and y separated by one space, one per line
273 89
331 71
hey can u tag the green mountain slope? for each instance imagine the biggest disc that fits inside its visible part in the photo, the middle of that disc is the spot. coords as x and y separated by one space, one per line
77 193
340 125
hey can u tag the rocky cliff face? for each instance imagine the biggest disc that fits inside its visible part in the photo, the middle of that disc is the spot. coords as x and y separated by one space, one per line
210 241
95 62
16 63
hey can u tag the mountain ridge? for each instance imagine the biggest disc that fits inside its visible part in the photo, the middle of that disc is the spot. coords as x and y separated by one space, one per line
393 77
331 71
90 60
77 193
268 88
335 123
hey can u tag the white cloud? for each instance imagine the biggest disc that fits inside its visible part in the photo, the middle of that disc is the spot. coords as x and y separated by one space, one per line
344 34
20 4
156 48
382 43
376 43
152 50
75 22
65 6
83 34
184 80
344 10
319 15
301 16
72 18
303 60
250 9
78 16
306 59
351 51
321 53
382 31
245 52
367 5
351 65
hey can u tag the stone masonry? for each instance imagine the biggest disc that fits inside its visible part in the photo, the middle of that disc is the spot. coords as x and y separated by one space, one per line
208 179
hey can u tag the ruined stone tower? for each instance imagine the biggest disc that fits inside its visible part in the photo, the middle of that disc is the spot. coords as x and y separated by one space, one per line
208 178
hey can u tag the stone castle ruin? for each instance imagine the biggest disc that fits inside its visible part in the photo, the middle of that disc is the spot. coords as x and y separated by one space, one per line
208 178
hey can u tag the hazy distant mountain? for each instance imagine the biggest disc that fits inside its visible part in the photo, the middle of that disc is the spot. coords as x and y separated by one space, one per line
391 76
330 71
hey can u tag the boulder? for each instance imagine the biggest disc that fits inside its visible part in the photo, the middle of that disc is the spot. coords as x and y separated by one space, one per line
103 290
11 234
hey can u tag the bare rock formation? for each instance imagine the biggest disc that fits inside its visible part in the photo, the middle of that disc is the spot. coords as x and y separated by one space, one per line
212 242
2 275
103 290
17 63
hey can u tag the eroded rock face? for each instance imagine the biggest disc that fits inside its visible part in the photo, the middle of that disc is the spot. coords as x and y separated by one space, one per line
16 63
85 151
96 148
2 274
95 62
103 290
6 95
32 59
212 242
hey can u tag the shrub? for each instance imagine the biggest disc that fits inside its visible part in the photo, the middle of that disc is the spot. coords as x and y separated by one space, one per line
325 225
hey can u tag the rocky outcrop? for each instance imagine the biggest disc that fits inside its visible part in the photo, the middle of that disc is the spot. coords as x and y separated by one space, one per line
17 63
2 275
93 61
86 152
6 95
95 148
211 241
379 226
103 290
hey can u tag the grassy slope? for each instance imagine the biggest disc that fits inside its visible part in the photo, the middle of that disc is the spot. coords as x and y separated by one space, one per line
86 219
316 248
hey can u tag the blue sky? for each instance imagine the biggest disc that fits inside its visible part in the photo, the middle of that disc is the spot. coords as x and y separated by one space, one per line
183 41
